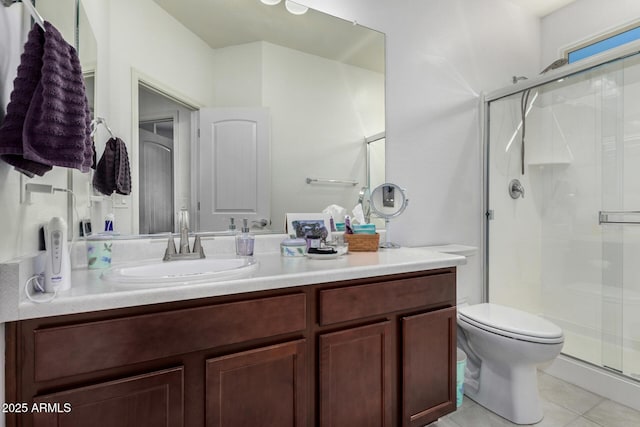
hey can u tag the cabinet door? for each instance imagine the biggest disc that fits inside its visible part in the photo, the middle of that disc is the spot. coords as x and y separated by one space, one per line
355 377
153 400
261 387
428 366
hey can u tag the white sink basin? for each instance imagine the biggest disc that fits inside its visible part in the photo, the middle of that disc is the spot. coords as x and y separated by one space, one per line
161 273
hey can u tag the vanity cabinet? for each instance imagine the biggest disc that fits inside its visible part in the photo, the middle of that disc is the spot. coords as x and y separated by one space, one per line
365 352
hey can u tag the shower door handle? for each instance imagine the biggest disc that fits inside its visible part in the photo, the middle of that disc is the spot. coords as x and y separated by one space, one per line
617 217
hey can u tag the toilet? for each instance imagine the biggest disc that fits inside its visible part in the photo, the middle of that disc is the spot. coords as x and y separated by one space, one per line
504 347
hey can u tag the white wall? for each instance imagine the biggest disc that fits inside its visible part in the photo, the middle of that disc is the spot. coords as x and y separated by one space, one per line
238 76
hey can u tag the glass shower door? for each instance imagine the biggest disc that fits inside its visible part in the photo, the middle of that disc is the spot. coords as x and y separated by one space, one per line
620 217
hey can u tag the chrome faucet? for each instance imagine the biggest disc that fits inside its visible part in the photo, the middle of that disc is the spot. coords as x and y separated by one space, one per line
184 253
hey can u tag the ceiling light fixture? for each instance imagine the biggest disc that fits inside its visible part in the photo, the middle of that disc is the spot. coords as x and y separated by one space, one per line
270 2
295 8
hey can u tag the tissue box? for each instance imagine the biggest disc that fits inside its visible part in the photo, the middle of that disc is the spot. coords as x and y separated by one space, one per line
364 228
362 242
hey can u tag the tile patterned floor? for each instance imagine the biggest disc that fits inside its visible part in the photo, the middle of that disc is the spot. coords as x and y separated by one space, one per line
564 405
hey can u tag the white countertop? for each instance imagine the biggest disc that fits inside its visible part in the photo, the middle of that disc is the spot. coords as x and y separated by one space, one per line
90 293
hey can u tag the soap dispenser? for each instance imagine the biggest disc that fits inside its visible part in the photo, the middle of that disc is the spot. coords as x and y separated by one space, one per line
245 240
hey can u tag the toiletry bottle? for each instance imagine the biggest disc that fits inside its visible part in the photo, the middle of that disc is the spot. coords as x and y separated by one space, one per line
108 222
232 225
347 225
245 240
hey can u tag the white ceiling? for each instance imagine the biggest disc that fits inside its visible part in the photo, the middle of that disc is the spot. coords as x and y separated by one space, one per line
542 7
222 23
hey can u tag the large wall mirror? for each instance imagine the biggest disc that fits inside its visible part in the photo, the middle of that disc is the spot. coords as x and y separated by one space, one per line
228 108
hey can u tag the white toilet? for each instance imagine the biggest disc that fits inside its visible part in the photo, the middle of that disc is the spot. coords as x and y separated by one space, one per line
503 347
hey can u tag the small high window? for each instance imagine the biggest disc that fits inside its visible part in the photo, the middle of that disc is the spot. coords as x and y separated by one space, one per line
604 44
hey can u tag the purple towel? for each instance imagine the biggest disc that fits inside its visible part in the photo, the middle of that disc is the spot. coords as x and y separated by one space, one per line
113 171
48 119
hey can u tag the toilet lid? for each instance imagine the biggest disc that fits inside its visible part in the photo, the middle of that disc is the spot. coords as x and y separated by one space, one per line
511 322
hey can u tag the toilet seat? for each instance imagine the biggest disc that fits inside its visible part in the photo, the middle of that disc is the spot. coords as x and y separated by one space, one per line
511 323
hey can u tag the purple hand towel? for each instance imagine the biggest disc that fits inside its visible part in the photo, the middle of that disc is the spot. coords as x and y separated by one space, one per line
113 172
48 118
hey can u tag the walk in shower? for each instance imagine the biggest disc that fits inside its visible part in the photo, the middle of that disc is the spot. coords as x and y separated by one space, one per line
569 250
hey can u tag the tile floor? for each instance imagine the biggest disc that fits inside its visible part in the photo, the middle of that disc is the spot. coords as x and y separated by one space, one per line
564 405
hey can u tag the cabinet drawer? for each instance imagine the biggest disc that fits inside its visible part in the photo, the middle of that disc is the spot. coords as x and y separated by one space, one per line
355 302
87 347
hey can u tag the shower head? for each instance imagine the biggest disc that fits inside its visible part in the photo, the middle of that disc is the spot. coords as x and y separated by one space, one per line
555 64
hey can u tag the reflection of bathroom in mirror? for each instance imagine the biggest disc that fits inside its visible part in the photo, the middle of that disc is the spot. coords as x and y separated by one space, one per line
164 129
319 80
375 160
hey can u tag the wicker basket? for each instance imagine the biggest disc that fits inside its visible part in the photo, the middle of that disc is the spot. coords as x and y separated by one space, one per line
362 242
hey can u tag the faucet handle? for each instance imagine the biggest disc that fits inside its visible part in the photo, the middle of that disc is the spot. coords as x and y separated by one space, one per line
197 247
516 189
171 248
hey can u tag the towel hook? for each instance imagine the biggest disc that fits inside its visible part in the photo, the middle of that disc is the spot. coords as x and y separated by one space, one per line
100 121
30 8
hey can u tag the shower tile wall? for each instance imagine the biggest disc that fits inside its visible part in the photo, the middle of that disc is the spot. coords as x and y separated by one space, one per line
514 242
547 252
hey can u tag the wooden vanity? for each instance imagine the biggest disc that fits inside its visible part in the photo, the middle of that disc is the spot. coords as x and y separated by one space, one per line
378 351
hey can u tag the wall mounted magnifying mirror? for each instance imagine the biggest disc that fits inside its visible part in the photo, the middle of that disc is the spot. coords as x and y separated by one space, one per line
388 201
